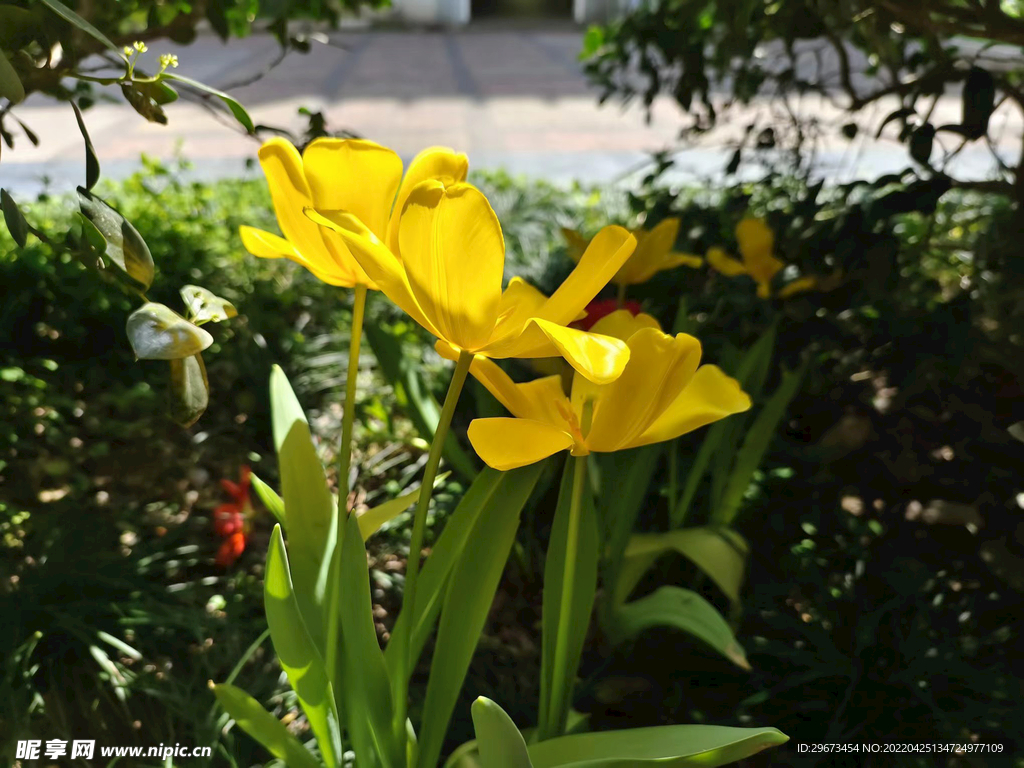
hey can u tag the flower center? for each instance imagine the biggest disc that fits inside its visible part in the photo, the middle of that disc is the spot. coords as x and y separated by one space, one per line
579 432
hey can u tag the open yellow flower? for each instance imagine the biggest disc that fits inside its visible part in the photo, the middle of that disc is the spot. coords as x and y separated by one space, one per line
654 253
353 175
448 279
663 392
757 246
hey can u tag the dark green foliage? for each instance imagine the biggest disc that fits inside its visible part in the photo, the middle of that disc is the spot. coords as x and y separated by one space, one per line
915 353
885 563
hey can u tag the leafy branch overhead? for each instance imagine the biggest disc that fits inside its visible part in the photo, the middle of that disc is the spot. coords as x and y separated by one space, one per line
869 70
31 30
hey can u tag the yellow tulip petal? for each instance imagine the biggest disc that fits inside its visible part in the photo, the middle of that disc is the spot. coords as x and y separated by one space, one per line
344 258
604 256
499 384
454 257
290 195
446 350
270 246
265 244
724 263
757 242
677 259
660 366
621 324
539 399
382 267
520 301
754 238
576 243
765 269
652 248
662 237
710 396
509 443
356 176
800 285
440 163
600 359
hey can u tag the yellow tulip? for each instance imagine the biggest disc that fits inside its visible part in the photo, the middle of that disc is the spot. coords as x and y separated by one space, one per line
662 393
447 277
654 253
757 246
357 176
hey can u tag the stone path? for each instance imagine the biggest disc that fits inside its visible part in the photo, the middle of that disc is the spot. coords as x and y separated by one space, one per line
512 98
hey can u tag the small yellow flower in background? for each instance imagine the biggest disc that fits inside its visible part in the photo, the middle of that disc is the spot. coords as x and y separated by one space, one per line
654 253
757 249
446 274
359 177
662 393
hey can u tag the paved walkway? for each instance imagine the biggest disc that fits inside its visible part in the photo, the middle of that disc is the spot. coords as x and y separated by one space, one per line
510 98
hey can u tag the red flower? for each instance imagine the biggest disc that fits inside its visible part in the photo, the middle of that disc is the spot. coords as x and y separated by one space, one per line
231 520
227 520
231 549
239 491
601 308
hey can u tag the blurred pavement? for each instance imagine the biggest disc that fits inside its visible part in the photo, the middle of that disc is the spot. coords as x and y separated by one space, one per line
511 98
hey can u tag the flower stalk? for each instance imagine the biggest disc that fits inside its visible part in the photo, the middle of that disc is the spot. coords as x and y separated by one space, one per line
404 668
348 417
561 673
344 467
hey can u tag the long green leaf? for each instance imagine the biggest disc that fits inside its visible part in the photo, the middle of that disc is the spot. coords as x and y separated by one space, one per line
11 87
753 371
719 553
311 513
414 396
125 247
14 218
679 609
70 16
755 445
269 497
468 599
264 727
705 746
236 109
157 332
284 406
299 657
751 374
92 164
553 715
489 484
189 389
500 743
370 521
625 479
368 703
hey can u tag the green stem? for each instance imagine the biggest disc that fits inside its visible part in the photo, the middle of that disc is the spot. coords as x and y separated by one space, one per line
673 478
404 653
561 673
344 465
622 295
348 417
